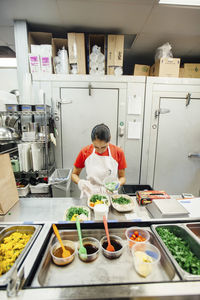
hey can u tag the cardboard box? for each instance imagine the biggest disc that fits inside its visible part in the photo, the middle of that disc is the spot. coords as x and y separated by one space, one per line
76 51
39 38
167 67
181 72
152 70
115 50
192 70
145 197
141 70
58 44
100 41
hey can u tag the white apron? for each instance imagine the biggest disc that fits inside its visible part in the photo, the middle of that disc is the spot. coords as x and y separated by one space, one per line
98 168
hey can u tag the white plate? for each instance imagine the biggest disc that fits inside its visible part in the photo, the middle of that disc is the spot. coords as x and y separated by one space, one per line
84 207
99 195
122 207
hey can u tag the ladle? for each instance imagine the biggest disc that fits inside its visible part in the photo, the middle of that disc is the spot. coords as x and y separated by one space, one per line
65 253
109 247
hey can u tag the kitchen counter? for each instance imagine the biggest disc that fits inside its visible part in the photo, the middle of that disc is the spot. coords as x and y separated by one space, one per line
46 211
53 209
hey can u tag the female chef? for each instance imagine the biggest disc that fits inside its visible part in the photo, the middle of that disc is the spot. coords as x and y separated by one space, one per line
102 160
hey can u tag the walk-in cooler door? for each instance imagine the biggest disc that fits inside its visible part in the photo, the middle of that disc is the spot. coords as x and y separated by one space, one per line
81 110
177 151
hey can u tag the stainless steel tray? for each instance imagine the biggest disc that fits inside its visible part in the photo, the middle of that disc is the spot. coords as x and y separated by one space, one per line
34 229
195 228
102 270
182 231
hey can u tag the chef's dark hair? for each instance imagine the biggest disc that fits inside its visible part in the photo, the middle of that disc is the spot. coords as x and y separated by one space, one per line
101 132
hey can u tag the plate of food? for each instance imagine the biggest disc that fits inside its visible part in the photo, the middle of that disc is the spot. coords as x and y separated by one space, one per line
74 212
122 203
98 199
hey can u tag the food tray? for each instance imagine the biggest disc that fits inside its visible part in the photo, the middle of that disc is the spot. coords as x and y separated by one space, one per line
124 207
108 198
181 231
102 271
195 228
34 229
84 207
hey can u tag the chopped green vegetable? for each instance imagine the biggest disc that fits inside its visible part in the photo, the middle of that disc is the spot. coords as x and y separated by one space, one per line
181 251
96 197
111 186
76 210
121 200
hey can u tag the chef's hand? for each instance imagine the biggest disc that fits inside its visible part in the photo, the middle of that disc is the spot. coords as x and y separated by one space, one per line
85 188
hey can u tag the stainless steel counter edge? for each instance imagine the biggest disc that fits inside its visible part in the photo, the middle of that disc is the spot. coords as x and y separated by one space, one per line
172 291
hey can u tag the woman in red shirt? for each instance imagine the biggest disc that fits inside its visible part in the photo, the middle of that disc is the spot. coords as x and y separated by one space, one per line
102 160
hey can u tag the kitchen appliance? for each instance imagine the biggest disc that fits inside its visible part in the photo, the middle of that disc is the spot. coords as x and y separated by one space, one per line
8 134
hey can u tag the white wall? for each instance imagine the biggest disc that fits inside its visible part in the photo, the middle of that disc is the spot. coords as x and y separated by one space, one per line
8 79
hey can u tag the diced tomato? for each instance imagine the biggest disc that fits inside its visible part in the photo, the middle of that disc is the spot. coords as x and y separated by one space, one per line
136 233
91 204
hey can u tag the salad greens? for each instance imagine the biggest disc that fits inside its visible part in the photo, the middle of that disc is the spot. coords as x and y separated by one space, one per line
76 210
121 200
96 197
111 186
181 251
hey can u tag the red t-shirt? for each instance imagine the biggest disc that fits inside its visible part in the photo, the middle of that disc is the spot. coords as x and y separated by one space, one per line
116 152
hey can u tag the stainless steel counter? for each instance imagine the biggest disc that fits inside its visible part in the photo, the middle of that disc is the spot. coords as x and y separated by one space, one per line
53 209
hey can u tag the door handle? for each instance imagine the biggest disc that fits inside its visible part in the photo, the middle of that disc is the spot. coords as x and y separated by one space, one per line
194 155
161 111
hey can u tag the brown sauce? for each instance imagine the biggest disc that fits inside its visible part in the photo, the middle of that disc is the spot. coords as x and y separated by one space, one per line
90 248
58 252
114 243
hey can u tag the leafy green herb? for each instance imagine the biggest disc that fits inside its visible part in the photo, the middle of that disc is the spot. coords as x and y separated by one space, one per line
121 200
111 186
181 251
76 210
94 198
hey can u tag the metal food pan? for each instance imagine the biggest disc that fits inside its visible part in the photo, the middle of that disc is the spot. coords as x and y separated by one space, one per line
181 231
8 230
195 228
102 270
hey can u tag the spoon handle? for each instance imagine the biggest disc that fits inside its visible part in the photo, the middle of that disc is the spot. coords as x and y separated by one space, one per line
106 228
79 231
55 229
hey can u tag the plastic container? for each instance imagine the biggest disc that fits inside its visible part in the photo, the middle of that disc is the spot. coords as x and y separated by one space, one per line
130 231
131 189
60 182
145 257
116 242
100 210
23 191
92 246
40 188
60 261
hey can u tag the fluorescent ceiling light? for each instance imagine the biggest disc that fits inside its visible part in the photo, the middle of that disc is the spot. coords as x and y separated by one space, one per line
181 2
8 62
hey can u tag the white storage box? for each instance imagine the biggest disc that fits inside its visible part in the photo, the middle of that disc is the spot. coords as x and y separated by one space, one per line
40 188
23 191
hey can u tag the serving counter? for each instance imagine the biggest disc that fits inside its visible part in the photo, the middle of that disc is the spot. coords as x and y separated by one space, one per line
38 278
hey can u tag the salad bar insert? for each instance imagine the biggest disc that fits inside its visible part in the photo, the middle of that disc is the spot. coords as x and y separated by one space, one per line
101 266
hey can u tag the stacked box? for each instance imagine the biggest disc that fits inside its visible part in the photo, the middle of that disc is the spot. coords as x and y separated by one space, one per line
192 70
76 49
115 52
141 70
166 67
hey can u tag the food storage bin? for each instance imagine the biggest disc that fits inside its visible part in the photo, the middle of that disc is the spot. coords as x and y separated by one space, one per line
23 191
141 232
116 242
40 188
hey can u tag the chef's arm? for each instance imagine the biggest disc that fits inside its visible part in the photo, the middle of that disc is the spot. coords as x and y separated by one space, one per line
121 176
75 174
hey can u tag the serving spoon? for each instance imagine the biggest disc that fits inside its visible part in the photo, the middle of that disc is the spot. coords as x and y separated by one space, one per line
82 250
65 252
109 247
